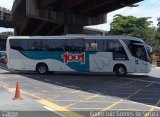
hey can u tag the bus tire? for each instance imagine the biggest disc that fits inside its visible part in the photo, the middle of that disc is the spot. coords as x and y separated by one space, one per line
120 70
42 68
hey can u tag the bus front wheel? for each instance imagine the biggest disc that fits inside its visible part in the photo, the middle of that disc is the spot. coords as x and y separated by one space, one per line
42 68
120 70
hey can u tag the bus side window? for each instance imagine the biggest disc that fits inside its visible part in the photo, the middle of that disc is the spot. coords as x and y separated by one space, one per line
100 45
118 51
74 45
105 45
55 45
37 45
20 45
114 46
90 45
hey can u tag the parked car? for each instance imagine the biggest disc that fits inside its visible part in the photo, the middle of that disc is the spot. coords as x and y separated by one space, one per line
3 56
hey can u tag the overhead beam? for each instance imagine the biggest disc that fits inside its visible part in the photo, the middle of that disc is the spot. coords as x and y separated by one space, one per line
46 3
16 4
72 3
93 5
26 21
111 7
39 28
61 17
125 3
63 14
54 29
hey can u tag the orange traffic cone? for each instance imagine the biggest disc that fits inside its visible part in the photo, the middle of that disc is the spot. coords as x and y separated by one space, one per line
17 93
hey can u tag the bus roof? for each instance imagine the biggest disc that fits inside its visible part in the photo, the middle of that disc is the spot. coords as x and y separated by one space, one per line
77 37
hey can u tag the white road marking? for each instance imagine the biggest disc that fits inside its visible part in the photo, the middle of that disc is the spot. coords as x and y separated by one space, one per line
59 83
71 86
46 80
145 104
50 109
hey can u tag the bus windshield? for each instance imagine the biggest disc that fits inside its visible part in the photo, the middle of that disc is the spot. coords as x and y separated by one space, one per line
149 51
140 51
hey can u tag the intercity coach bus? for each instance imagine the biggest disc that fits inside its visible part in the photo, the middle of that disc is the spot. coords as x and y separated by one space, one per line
78 53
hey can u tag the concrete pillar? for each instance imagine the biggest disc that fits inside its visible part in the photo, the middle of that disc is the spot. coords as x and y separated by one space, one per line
1 15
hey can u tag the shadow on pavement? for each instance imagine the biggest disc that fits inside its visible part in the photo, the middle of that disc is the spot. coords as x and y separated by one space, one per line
105 84
108 85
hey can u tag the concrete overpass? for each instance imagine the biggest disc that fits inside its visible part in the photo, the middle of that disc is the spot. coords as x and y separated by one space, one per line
56 17
5 18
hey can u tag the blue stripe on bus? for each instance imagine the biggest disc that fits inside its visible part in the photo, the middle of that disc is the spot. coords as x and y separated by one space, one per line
75 65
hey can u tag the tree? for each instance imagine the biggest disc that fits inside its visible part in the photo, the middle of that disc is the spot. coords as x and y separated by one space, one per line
123 25
133 26
158 29
9 33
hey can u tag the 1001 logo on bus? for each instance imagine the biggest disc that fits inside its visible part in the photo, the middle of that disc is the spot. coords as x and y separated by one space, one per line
68 57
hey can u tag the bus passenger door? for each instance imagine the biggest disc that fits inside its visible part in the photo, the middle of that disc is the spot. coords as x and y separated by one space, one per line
139 63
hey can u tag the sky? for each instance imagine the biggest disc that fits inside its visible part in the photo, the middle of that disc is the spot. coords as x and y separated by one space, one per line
146 8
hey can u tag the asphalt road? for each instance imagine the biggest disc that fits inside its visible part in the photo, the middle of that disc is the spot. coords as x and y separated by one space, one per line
68 94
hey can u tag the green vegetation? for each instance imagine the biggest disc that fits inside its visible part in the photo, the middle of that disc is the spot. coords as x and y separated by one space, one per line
137 27
9 33
158 31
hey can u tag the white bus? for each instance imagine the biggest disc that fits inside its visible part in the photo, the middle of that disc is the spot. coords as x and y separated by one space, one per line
78 53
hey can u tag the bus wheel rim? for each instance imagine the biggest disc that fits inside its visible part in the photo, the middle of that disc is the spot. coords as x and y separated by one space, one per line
121 70
42 69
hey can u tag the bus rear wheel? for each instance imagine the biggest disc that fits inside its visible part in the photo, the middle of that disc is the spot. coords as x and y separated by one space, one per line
120 70
42 69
